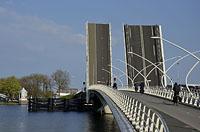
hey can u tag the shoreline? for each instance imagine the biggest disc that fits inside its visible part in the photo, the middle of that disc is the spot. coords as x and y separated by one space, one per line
8 103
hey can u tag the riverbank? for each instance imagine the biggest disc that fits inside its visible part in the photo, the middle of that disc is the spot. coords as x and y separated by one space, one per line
9 103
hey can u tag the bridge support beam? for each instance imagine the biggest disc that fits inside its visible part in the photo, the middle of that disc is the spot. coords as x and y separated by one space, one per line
107 110
87 96
104 109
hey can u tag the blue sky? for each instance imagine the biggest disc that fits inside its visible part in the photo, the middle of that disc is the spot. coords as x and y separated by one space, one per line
40 36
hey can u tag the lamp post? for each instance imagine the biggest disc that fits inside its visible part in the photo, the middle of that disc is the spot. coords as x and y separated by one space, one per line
177 61
153 65
178 74
186 79
123 73
114 76
181 58
145 78
179 47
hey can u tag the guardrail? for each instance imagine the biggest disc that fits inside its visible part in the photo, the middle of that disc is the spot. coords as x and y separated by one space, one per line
142 118
187 98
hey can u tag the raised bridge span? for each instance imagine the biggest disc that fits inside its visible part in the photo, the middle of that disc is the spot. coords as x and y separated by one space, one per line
147 112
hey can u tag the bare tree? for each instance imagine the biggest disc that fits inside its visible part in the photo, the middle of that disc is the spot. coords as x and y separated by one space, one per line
61 79
36 84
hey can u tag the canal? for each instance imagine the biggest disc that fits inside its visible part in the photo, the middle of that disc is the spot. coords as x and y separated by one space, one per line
16 118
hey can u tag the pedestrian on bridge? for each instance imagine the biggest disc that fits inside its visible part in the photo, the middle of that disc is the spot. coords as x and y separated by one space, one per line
136 87
142 87
84 87
114 84
176 90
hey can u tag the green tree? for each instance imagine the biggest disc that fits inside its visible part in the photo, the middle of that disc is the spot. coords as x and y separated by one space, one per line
10 86
2 81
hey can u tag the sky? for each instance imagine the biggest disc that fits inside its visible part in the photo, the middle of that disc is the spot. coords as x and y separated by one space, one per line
41 36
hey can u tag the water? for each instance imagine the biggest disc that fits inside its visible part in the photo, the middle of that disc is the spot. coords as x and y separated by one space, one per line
18 119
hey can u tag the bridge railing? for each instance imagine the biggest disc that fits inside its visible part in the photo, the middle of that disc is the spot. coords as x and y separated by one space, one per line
142 118
188 98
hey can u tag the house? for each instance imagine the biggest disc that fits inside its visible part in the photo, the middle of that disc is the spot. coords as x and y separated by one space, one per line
65 92
23 97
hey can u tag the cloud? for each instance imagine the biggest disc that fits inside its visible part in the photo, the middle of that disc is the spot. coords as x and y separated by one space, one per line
32 44
35 33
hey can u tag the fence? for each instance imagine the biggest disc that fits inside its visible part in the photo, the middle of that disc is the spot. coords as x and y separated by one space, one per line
188 98
56 104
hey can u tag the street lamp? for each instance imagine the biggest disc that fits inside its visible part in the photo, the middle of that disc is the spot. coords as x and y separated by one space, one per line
186 79
181 58
156 37
181 48
159 63
114 76
145 78
178 74
177 61
123 73
153 65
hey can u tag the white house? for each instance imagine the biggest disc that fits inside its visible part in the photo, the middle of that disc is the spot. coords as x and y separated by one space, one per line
23 96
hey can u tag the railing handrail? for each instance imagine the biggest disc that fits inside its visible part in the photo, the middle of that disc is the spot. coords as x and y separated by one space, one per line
187 98
125 103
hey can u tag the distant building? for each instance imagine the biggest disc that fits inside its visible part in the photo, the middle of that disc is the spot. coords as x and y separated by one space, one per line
23 96
98 54
65 92
138 40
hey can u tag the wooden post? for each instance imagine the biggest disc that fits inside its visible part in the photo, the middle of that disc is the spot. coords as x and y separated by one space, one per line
49 104
64 103
29 105
52 104
35 103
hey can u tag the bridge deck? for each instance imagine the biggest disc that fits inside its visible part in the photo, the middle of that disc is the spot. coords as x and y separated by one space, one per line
178 118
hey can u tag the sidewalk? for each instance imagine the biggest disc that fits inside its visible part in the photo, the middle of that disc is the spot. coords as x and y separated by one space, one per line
178 118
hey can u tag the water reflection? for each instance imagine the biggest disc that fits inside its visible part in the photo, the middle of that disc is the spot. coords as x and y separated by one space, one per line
104 123
17 119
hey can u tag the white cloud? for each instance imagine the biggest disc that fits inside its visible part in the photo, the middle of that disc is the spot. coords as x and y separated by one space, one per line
35 33
33 44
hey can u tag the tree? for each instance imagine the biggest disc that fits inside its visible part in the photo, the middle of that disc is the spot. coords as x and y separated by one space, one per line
36 84
61 79
2 83
10 86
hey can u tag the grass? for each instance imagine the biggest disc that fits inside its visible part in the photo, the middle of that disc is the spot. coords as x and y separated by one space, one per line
9 103
68 96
